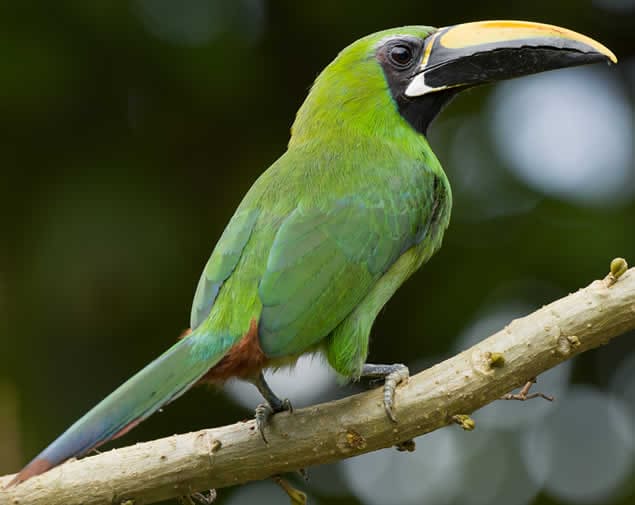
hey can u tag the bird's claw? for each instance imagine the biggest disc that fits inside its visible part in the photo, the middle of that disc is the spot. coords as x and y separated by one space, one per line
286 405
401 374
264 411
393 375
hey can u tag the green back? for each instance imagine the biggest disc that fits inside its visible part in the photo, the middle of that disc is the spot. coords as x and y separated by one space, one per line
320 227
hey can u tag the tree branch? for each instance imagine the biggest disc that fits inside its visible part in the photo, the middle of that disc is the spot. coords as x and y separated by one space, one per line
214 458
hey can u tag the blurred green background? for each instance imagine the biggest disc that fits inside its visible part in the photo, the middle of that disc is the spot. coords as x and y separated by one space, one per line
130 132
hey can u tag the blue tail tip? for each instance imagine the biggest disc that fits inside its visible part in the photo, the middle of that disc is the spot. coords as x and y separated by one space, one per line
35 467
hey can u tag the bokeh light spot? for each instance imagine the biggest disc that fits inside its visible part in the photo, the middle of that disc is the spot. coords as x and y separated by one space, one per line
567 133
427 475
513 414
492 470
581 452
623 386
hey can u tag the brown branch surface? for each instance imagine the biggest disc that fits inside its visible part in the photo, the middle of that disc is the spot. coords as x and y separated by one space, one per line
215 458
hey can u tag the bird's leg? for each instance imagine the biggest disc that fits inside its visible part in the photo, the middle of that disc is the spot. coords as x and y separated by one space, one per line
392 375
265 410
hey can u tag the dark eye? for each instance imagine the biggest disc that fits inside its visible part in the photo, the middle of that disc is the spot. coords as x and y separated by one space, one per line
400 55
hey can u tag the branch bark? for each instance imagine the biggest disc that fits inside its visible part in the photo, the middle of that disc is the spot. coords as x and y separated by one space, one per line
230 455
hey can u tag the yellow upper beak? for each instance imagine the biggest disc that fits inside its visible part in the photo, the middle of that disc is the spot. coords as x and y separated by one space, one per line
488 32
483 51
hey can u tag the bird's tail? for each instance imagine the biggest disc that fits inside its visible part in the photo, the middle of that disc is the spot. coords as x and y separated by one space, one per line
162 381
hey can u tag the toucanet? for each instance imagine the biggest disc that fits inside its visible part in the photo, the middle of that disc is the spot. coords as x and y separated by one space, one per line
329 232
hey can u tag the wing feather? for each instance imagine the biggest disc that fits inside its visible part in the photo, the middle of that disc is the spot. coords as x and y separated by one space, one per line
222 263
321 265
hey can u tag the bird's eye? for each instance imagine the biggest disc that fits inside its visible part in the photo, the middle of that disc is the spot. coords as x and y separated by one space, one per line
400 55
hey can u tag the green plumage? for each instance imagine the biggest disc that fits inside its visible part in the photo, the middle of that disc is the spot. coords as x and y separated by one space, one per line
320 233
330 231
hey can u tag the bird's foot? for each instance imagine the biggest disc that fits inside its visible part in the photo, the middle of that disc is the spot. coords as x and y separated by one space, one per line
524 393
273 404
393 375
264 411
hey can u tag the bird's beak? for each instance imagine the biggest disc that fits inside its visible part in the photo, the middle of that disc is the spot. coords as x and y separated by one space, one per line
485 51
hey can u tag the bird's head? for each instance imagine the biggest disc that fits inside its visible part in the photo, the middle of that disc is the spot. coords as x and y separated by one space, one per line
415 70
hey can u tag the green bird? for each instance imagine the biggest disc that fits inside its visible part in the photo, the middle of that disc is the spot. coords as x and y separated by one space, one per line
329 232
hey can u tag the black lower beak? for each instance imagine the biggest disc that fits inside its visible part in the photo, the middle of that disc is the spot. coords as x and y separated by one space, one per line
475 53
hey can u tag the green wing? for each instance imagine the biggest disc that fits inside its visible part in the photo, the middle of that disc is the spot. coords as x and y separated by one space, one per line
222 263
324 261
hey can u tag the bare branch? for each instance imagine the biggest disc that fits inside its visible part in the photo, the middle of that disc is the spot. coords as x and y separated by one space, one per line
220 457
